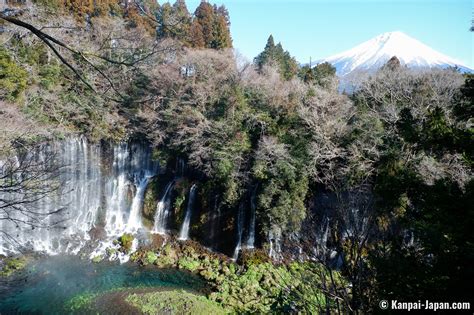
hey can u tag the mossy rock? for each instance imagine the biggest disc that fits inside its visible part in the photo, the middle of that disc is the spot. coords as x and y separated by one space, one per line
174 302
150 200
82 302
254 257
11 265
165 261
126 241
97 259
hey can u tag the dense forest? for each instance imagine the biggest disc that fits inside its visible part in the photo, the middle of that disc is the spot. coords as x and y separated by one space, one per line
354 198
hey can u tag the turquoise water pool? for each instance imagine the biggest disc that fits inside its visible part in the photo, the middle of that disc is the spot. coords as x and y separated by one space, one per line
48 284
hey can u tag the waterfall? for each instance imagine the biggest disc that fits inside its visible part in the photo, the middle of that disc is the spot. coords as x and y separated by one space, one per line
90 181
164 204
180 167
251 237
134 222
184 234
79 191
162 211
116 190
240 231
131 171
215 220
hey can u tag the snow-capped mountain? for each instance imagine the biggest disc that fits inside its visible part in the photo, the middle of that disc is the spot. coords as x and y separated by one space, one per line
373 54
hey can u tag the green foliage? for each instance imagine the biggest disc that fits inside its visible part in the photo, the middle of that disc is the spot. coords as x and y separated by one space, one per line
272 53
420 196
179 202
257 286
188 263
174 21
151 257
264 288
49 75
13 78
283 187
174 302
208 28
321 74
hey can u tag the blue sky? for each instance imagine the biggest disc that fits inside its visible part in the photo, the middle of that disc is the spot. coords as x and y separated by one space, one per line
320 28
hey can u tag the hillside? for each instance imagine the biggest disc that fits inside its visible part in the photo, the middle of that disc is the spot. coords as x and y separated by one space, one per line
133 132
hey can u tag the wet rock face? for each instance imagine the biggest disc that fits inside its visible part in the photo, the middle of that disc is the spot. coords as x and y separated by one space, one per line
150 200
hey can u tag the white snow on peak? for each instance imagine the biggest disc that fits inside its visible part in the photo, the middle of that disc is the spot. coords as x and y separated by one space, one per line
375 52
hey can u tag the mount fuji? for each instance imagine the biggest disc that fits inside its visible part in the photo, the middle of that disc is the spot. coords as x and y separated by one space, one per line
373 54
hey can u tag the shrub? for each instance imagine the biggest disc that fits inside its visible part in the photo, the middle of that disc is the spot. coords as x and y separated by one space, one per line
150 257
49 75
13 78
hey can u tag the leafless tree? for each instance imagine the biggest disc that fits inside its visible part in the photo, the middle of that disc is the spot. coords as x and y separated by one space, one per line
25 178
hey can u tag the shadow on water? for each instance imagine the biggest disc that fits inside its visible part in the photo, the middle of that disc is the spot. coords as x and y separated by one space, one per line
48 284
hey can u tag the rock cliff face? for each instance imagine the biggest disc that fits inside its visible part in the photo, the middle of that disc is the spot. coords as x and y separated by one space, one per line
107 190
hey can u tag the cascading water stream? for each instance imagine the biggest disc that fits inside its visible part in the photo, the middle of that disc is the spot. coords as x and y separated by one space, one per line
180 167
251 237
116 188
215 220
162 211
184 233
240 232
135 220
163 206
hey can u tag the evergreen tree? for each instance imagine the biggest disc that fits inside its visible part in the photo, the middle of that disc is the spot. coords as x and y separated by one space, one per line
196 37
205 16
174 21
306 73
221 34
164 17
392 64
267 53
215 24
182 18
287 65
